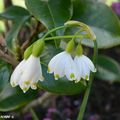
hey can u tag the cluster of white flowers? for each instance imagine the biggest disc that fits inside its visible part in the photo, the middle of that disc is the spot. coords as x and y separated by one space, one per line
74 69
29 71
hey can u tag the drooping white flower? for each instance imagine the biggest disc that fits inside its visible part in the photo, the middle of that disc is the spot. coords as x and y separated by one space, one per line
84 66
63 65
15 77
29 71
31 74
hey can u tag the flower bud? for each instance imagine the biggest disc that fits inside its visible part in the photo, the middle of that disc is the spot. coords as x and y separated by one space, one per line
79 50
72 23
38 48
28 52
70 46
84 27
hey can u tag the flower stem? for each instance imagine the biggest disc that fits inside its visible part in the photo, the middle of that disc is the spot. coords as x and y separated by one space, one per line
49 32
87 92
65 37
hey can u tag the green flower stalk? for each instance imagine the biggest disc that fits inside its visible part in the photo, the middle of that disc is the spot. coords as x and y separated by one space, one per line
38 48
28 52
79 50
70 46
84 27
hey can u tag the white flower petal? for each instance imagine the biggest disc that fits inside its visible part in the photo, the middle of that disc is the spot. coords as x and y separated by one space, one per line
59 68
33 86
32 68
24 86
31 74
70 68
89 63
53 62
15 77
82 67
79 65
78 79
86 71
63 64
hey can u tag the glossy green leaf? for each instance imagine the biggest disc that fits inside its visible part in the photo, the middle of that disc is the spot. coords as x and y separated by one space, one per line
52 13
4 75
108 69
11 37
14 98
48 53
101 19
18 15
14 13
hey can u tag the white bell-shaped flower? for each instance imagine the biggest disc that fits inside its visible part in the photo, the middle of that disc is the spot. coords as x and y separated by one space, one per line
84 65
31 74
29 71
63 65
15 77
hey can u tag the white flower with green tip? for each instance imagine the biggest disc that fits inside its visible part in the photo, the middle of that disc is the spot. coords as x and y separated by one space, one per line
32 74
84 64
63 65
29 71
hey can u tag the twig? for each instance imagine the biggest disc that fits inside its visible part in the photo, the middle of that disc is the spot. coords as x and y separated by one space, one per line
39 28
8 58
39 101
7 3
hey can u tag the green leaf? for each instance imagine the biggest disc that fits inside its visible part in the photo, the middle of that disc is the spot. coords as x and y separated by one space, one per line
4 75
19 16
52 13
11 37
48 53
108 69
101 19
14 13
14 98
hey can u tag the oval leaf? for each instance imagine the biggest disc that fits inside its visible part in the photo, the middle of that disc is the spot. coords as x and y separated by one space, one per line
19 15
108 69
14 12
101 19
14 98
52 13
4 75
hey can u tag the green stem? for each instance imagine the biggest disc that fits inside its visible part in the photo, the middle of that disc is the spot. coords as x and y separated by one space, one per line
74 37
87 92
63 37
49 32
34 116
55 29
